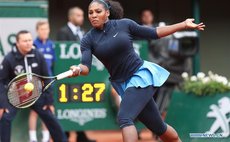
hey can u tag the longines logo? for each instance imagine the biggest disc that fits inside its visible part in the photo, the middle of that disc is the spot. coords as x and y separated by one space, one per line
81 116
74 52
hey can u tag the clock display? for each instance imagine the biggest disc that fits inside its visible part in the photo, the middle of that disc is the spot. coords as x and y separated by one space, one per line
85 92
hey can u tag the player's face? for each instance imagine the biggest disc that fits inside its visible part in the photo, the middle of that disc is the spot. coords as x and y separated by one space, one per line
25 43
43 31
97 15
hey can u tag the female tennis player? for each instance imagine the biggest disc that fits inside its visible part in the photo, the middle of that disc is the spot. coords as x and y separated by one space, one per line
135 80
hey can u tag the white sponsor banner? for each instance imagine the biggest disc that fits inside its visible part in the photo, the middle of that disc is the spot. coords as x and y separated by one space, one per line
82 116
10 26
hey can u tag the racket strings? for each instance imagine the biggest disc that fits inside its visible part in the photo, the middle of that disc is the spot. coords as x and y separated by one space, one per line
19 97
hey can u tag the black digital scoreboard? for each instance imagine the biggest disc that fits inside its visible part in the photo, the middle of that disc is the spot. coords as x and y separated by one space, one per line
83 92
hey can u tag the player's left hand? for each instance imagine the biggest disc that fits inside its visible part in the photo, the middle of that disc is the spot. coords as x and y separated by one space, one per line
189 24
50 107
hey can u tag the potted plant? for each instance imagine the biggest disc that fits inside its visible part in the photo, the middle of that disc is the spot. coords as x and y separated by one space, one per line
202 84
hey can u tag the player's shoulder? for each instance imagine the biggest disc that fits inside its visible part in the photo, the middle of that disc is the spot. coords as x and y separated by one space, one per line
88 36
124 21
90 32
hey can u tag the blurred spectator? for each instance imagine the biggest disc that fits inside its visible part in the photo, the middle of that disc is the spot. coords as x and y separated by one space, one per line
73 32
9 69
45 46
147 18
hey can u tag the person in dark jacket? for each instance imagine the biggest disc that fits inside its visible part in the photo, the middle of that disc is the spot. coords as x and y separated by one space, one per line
72 31
22 57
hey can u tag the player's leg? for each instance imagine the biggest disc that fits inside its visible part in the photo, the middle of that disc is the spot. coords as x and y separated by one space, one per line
151 117
33 125
170 135
132 104
163 98
5 123
51 122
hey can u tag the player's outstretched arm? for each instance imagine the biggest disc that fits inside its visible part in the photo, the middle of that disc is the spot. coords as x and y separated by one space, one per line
187 24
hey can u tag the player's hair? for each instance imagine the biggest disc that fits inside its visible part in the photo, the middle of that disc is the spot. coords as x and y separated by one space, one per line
40 23
20 33
115 8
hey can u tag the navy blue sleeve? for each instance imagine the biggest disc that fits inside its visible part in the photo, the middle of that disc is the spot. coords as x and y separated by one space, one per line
4 74
141 31
86 51
44 71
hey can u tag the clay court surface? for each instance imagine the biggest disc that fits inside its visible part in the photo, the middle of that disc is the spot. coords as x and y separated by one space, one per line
115 136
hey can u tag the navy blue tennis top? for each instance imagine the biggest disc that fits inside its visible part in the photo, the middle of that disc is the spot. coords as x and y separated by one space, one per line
113 46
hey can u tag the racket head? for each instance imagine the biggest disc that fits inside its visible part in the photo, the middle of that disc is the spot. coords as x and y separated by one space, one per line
21 98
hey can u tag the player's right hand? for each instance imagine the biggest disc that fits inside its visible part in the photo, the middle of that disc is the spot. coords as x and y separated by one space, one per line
2 111
76 70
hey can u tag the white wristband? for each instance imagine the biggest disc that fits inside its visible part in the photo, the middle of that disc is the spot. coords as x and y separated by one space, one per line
80 70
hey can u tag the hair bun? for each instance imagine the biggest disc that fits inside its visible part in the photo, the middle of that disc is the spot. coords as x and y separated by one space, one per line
116 10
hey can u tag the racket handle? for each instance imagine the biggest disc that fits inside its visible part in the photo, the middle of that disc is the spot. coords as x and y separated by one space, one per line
64 74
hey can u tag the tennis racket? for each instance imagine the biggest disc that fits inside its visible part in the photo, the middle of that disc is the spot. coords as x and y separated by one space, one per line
21 97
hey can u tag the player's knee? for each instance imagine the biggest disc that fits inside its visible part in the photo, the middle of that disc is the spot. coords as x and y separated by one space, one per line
124 121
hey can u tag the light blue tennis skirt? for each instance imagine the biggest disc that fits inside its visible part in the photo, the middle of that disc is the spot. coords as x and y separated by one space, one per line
148 74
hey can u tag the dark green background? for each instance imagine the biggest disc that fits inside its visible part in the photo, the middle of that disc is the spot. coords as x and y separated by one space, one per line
187 114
